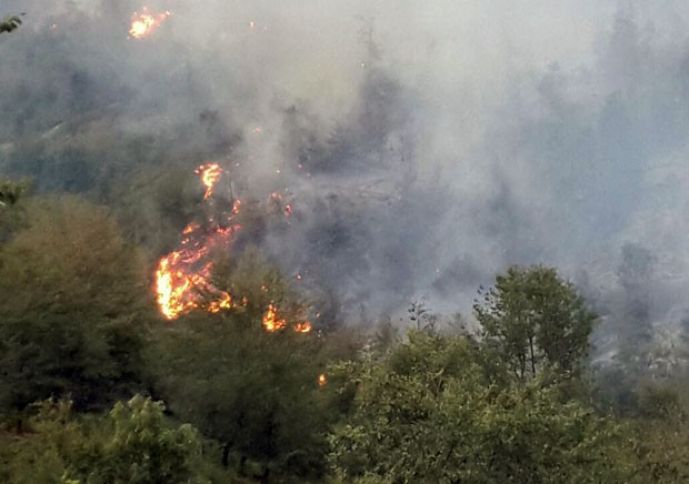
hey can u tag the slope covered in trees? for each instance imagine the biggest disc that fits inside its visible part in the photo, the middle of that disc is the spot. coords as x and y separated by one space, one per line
513 400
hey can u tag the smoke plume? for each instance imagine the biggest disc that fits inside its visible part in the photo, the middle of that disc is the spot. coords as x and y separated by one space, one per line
424 146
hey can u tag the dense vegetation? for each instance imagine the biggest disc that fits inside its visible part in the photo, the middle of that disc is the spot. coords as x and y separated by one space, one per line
97 388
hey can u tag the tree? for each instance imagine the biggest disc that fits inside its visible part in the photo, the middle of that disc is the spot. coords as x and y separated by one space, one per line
11 192
12 195
254 392
533 320
426 414
10 24
72 296
133 443
634 326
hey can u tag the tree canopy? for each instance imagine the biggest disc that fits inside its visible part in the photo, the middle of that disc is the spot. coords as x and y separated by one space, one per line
426 414
132 443
532 320
10 23
243 403
77 294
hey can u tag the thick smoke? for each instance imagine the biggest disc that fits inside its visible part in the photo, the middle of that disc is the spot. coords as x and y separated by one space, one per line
424 146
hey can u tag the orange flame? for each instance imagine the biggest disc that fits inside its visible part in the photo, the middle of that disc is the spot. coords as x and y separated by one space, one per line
183 278
304 327
210 173
271 321
144 23
191 228
322 380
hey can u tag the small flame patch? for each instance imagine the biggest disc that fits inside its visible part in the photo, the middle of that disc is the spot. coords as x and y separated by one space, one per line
145 23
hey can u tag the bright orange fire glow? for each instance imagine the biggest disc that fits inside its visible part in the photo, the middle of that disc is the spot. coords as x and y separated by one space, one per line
144 23
225 302
183 278
322 380
304 327
191 228
271 321
210 174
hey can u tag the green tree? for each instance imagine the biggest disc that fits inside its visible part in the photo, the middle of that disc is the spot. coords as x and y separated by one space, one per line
254 392
12 196
11 192
133 443
533 320
10 24
426 414
72 295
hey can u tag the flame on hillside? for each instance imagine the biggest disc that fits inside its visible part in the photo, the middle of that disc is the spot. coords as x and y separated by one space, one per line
210 174
304 327
145 23
183 278
271 321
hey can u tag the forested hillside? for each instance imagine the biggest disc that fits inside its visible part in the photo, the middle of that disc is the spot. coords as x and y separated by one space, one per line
98 386
343 242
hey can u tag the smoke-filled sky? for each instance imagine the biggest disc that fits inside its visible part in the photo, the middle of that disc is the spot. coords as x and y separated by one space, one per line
425 145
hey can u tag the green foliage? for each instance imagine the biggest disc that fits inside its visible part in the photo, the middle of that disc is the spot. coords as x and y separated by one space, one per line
133 443
71 299
425 414
11 192
140 448
255 392
532 320
154 207
75 313
10 24
12 214
661 451
658 401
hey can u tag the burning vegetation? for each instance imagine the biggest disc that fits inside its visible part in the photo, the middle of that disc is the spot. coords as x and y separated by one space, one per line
145 23
183 278
513 396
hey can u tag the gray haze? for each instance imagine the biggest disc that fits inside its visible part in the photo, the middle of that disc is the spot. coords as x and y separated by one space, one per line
424 145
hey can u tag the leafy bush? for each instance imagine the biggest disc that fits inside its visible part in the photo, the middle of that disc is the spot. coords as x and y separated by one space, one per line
425 414
133 443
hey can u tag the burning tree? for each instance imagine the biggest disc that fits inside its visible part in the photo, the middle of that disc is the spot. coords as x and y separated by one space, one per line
254 391
146 22
184 277
258 392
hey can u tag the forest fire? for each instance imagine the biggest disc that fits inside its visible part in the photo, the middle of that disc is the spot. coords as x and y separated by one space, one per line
183 277
181 288
210 173
145 23
304 327
271 321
